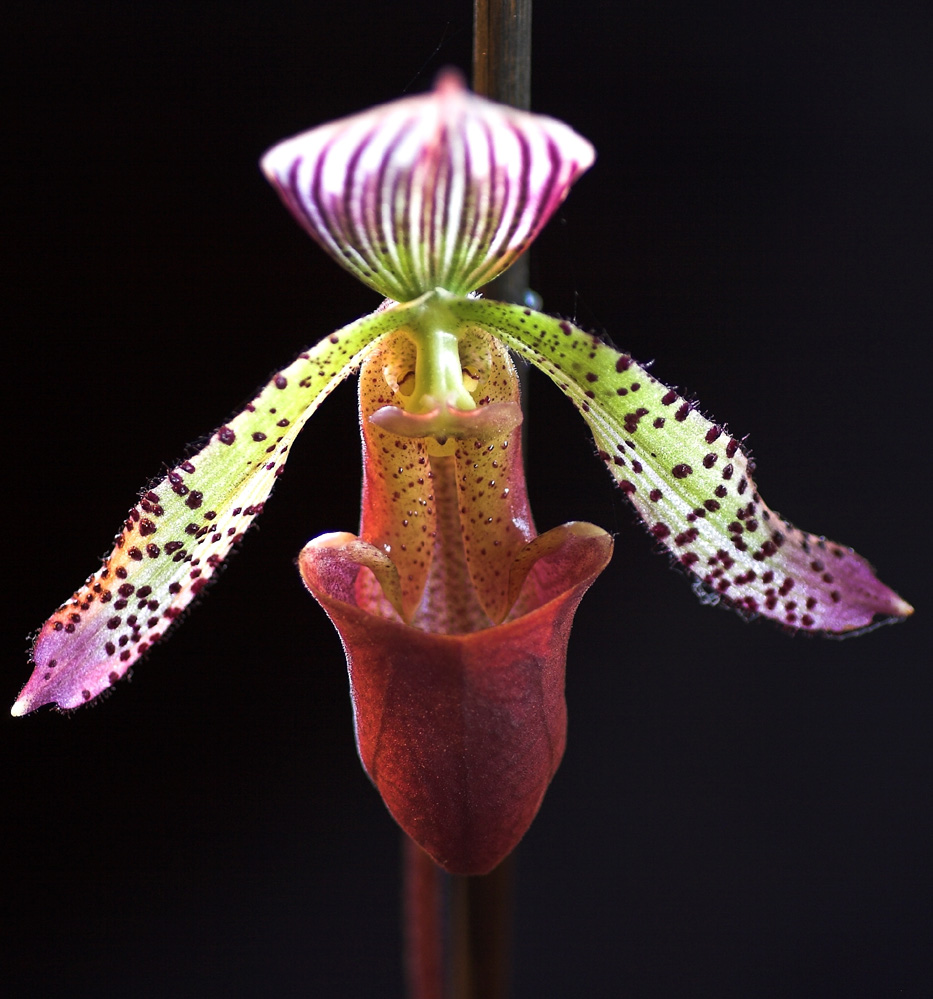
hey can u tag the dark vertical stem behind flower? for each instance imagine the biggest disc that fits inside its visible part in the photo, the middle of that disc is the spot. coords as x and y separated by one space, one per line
457 929
502 51
476 947
481 920
422 918
481 908
502 72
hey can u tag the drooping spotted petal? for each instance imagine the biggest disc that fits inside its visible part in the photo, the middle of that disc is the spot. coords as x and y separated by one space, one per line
440 190
184 526
691 483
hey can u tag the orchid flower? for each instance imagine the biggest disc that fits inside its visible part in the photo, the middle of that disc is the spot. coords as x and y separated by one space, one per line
453 612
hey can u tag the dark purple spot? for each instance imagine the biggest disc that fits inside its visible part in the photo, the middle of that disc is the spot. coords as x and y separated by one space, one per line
280 381
686 537
669 398
681 471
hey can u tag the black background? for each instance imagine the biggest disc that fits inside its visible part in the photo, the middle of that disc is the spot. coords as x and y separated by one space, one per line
739 812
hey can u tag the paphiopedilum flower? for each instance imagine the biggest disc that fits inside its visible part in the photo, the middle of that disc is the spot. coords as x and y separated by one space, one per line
453 612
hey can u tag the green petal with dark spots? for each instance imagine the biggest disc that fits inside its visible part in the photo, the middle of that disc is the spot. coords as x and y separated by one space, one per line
184 526
692 485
